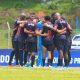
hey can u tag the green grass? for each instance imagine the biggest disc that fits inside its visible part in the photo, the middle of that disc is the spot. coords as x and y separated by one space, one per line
18 73
4 39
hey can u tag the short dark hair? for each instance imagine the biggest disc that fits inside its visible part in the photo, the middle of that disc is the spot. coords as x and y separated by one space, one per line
22 17
53 14
32 13
28 17
47 18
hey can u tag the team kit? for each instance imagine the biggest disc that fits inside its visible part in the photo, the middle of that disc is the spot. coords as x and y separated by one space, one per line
55 33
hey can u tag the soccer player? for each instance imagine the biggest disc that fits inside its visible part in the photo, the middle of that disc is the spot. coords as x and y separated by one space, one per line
30 29
32 15
62 42
39 41
62 46
53 19
69 31
19 38
47 40
13 53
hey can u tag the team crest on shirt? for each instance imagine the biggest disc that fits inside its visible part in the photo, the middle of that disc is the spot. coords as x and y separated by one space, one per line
62 21
31 24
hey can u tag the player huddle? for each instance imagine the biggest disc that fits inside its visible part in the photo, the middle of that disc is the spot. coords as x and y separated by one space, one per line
55 33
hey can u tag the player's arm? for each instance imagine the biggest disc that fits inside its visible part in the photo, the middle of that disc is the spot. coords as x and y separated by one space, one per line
55 28
20 22
21 25
69 27
15 26
15 29
51 26
38 32
44 34
61 31
29 32
41 33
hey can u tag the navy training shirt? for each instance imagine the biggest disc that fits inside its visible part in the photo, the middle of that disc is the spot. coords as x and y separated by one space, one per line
31 26
50 36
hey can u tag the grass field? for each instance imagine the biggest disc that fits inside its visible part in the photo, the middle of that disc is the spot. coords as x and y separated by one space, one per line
23 73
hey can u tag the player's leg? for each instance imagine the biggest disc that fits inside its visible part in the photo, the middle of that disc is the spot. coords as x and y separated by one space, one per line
11 57
29 45
66 60
49 58
69 53
25 53
31 48
25 56
32 59
16 52
12 52
60 51
33 51
50 54
21 57
66 57
60 58
20 46
43 55
17 56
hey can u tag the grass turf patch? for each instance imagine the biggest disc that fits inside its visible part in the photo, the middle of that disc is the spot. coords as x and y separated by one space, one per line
23 73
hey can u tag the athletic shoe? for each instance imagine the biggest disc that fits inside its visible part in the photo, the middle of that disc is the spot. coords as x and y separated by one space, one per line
50 66
10 65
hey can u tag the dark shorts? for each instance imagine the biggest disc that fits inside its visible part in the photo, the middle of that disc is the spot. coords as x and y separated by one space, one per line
24 45
31 47
18 44
69 42
49 47
55 42
13 43
62 45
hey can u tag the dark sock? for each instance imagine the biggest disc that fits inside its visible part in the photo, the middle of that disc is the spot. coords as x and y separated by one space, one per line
32 60
49 62
43 61
11 57
69 56
60 62
66 62
21 57
17 56
25 57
